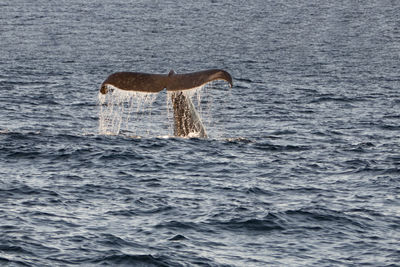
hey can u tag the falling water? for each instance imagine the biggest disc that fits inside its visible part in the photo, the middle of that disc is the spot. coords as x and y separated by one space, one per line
119 107
122 110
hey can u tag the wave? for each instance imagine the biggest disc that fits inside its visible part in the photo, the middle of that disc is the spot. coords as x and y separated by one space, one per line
299 220
335 98
268 223
322 218
266 146
23 190
12 262
122 259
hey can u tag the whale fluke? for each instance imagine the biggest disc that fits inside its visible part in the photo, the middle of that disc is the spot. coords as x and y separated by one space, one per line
179 82
154 83
135 81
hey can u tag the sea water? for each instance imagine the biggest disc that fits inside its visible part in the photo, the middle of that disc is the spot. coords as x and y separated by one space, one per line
302 166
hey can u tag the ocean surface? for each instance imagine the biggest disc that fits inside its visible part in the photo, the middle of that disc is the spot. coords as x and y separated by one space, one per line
302 163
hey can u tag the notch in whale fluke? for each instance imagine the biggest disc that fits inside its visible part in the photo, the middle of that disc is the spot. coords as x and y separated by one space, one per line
154 83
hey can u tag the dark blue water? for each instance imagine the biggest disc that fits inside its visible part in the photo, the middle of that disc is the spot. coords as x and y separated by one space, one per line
302 166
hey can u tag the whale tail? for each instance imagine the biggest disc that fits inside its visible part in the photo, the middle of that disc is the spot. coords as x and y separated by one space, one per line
186 119
154 83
